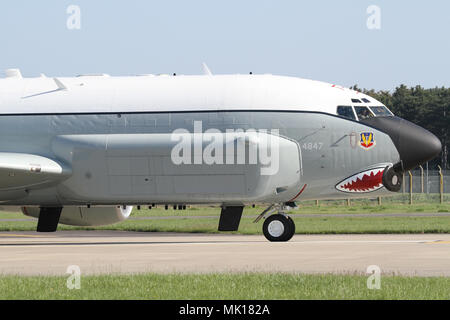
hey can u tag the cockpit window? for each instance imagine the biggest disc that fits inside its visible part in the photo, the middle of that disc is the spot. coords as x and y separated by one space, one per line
363 113
346 112
381 111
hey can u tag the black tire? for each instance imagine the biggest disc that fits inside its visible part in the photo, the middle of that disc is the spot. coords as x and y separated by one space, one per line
392 180
278 227
292 229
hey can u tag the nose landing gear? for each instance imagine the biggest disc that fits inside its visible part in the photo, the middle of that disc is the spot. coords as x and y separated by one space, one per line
277 227
392 178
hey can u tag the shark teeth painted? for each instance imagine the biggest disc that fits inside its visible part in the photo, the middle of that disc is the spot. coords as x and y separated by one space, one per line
366 181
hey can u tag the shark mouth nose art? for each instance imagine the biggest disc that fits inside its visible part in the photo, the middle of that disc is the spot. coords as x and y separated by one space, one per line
366 181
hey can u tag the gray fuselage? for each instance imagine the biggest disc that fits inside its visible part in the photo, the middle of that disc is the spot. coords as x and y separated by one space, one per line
120 158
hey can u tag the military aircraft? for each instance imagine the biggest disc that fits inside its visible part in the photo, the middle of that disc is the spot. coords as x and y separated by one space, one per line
84 150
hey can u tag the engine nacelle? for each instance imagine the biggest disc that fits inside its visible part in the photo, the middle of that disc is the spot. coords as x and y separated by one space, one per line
83 216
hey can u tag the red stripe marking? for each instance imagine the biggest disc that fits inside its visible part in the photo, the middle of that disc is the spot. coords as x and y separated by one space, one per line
298 194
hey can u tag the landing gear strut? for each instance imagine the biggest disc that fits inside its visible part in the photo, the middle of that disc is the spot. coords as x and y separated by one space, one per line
48 219
277 227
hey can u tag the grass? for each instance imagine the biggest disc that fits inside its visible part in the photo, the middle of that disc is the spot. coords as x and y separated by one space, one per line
322 224
395 204
309 207
224 286
304 225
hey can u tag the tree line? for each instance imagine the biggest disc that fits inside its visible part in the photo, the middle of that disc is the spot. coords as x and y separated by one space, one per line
428 108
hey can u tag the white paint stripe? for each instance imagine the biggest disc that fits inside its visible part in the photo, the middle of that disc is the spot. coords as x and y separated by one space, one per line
265 242
367 241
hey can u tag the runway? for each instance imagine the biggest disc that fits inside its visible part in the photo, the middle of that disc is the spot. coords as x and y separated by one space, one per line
101 252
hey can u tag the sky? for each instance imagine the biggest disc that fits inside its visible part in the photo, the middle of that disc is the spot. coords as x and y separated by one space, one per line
321 40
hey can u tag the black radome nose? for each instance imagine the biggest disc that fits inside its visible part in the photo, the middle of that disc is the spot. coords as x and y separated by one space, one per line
415 144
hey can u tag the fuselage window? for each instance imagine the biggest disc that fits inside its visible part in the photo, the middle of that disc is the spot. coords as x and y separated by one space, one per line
346 112
381 111
363 113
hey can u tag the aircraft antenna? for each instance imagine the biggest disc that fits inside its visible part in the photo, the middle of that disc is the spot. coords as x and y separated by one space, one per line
60 85
206 70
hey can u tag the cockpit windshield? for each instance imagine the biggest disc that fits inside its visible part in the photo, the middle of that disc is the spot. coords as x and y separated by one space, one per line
363 113
381 111
346 112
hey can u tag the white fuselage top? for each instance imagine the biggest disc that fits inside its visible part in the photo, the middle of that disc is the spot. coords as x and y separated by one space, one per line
164 93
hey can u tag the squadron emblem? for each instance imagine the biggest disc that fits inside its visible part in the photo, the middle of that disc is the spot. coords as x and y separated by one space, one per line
367 140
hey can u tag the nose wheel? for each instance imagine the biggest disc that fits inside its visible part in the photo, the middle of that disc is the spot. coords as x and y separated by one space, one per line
279 227
392 179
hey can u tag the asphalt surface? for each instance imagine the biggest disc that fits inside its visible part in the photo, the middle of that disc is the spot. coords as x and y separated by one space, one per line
106 252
